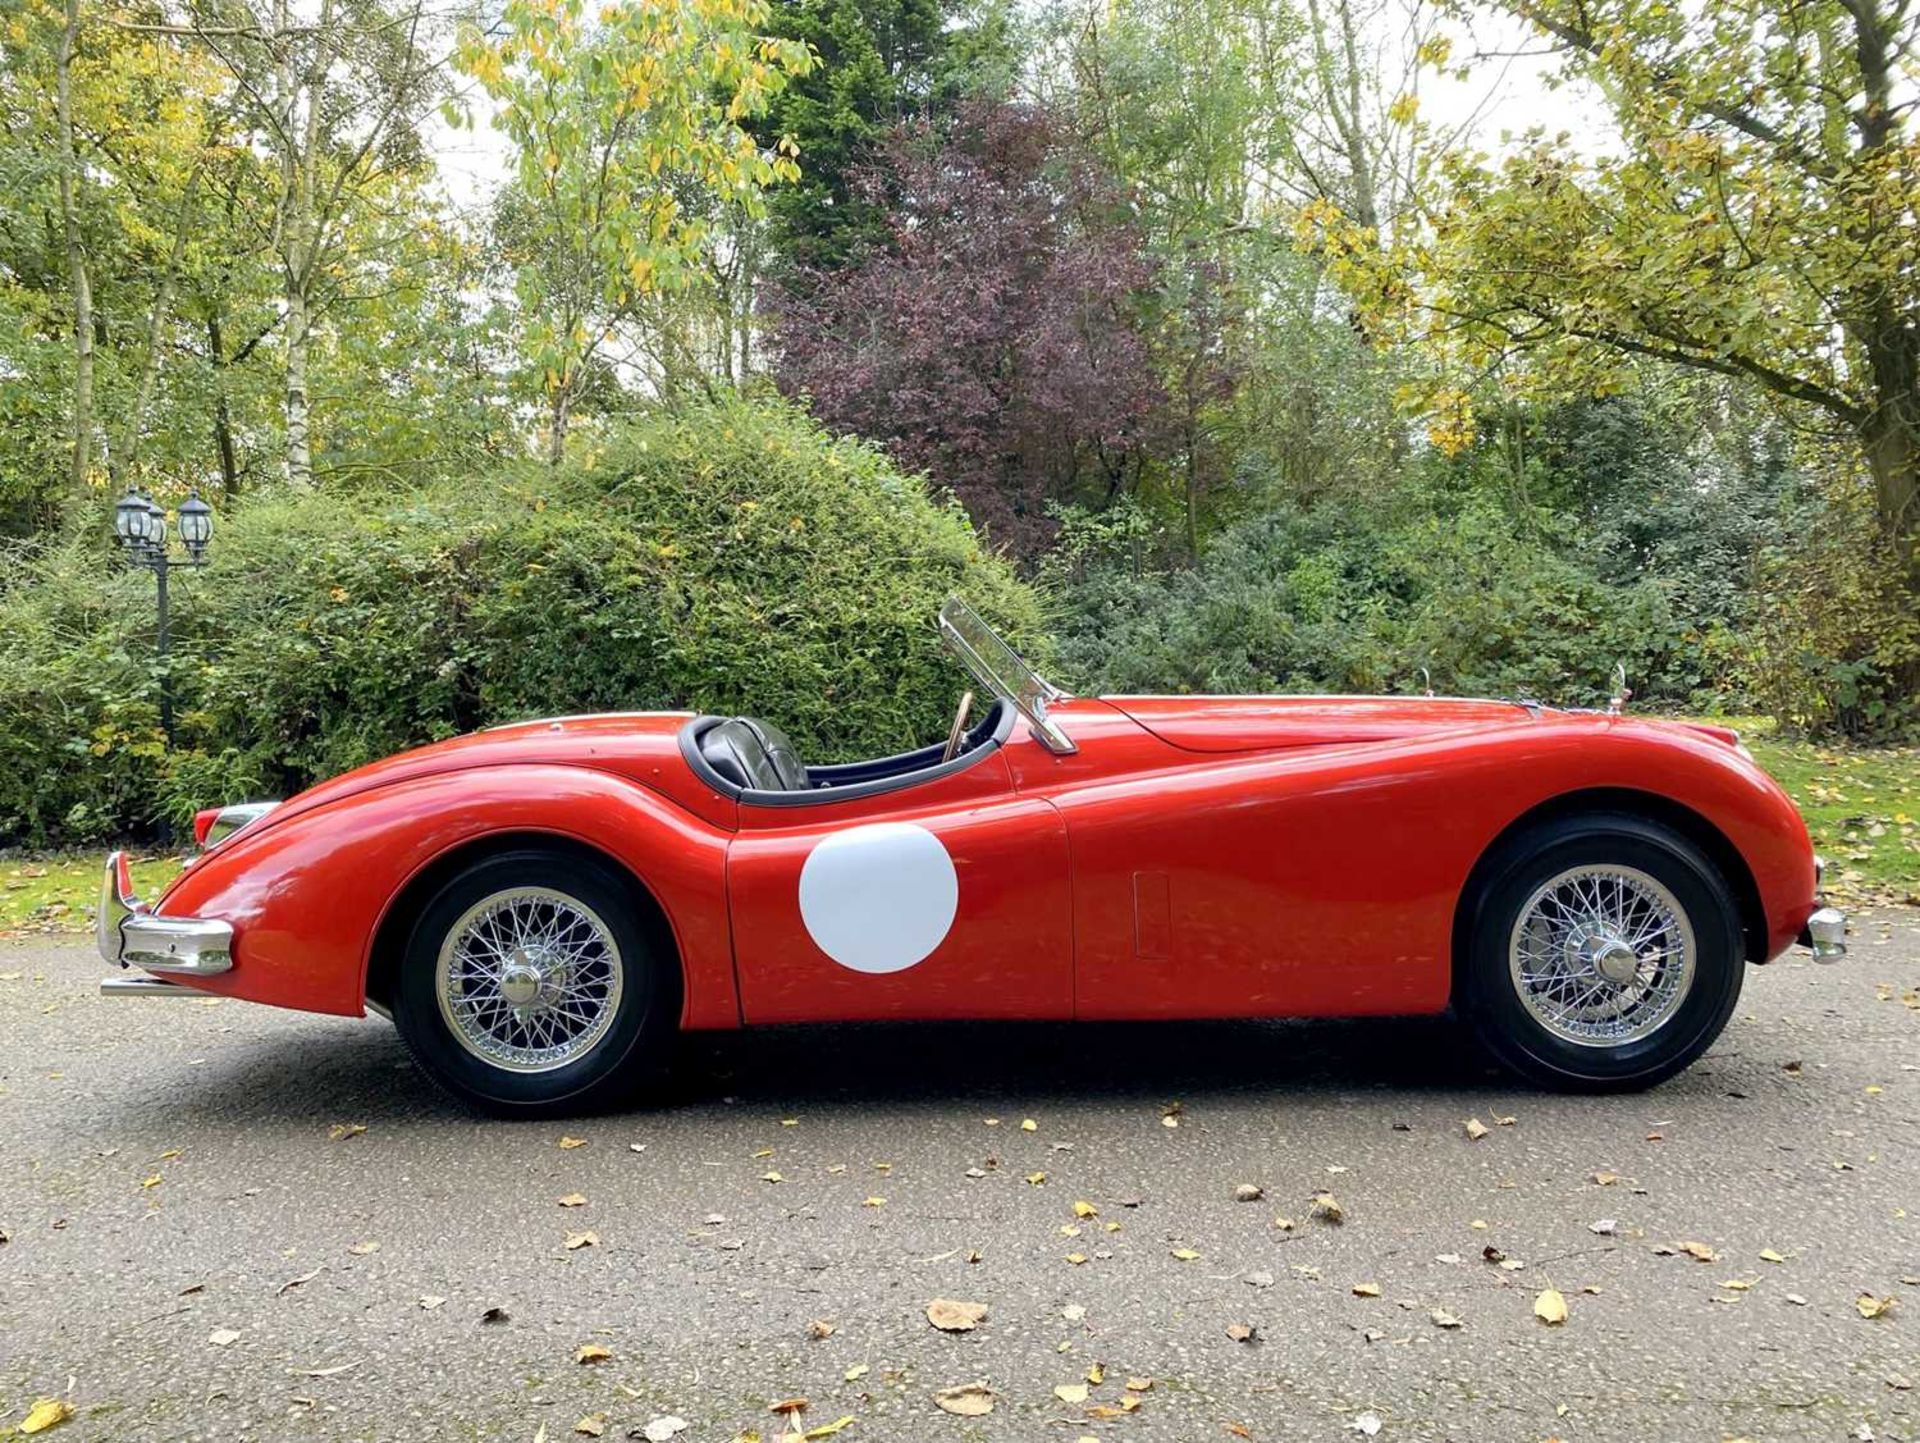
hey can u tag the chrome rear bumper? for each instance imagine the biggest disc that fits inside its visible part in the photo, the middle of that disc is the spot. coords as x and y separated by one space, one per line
129 935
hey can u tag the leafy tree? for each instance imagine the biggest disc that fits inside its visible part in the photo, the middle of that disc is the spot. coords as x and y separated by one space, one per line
1760 219
882 62
995 344
628 124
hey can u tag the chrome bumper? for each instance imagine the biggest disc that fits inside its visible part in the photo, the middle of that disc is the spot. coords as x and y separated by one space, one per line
1826 934
129 935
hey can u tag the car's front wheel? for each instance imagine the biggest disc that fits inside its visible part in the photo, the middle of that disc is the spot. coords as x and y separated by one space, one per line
531 986
1601 953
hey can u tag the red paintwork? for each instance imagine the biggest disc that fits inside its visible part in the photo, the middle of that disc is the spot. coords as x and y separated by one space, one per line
1195 857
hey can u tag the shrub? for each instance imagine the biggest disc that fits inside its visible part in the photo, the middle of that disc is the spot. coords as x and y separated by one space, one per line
729 557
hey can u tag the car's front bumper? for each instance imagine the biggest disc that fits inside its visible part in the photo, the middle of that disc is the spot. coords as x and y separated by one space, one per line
1826 934
130 935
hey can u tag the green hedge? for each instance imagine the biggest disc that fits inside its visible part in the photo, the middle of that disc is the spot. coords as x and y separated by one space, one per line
731 557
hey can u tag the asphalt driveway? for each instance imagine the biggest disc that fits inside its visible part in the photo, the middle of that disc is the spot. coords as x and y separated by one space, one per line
225 1222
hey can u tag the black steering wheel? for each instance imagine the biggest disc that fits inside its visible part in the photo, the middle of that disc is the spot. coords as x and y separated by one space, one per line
959 728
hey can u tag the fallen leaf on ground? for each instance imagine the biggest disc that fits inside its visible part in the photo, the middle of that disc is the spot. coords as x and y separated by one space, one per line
291 1283
44 1414
1241 1332
771 1177
429 1301
1443 1319
952 1316
594 1425
335 1371
1768 1255
827 1430
966 1400
223 1337
1139 1385
364 1250
1868 1306
572 1142
661 1430
1367 1423
1550 1307
1476 1129
587 1239
1249 1192
1185 1255
1327 1208
573 1200
1499 1121
856 1372
1075 1393
874 1202
341 1131
592 1353
1605 1227
821 1328
1605 1179
1035 1179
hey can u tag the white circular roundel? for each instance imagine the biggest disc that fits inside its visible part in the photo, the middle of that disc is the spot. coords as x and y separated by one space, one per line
879 898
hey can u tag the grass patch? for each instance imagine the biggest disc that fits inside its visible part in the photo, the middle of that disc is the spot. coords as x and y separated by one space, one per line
57 892
1862 806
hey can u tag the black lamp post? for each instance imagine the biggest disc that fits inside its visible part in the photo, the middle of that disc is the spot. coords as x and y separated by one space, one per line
140 527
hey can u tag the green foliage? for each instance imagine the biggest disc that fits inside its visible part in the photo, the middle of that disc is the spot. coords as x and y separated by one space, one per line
730 557
1562 545
881 62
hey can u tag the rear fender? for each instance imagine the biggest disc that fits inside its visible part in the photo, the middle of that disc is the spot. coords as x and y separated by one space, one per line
306 897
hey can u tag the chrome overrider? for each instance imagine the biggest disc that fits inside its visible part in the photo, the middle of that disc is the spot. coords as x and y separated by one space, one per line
1826 930
129 935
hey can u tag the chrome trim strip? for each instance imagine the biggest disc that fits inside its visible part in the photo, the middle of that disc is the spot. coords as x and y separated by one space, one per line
145 987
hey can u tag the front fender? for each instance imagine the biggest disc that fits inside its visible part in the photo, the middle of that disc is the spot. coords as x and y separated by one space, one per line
305 897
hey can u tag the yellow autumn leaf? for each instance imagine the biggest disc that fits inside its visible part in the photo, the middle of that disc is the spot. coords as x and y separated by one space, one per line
46 1413
1366 1290
592 1353
1085 1210
827 1430
1071 1392
1185 1255
1550 1307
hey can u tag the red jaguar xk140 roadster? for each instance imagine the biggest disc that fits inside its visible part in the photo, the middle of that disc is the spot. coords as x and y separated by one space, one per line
540 907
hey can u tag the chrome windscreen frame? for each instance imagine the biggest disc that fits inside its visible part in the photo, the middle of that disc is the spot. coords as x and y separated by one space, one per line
1004 672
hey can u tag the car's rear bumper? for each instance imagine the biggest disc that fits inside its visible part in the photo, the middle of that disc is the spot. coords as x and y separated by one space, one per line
130 935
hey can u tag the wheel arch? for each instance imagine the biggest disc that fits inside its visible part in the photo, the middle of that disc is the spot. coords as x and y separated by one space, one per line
389 942
1629 801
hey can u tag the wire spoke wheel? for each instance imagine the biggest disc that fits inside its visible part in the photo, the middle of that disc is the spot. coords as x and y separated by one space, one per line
529 979
1602 955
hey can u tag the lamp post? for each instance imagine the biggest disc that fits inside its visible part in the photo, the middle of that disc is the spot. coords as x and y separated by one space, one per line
140 528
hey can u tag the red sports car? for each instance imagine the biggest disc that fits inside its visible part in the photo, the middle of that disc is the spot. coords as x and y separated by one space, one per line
540 906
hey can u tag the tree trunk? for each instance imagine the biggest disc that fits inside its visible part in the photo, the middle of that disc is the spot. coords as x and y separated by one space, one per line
1890 437
299 443
559 410
76 254
222 413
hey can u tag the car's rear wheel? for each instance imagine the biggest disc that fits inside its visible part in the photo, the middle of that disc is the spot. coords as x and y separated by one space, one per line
1601 953
532 986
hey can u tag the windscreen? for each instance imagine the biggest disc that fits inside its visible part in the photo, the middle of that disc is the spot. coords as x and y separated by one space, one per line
1001 670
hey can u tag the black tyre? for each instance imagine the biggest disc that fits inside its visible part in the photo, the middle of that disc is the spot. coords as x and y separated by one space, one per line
533 986
1599 953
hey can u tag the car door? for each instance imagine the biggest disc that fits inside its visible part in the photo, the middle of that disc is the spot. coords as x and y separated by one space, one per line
947 899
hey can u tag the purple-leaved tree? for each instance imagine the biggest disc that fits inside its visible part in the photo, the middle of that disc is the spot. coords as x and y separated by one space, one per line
995 342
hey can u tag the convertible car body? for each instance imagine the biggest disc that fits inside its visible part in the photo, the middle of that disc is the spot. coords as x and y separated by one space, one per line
539 906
